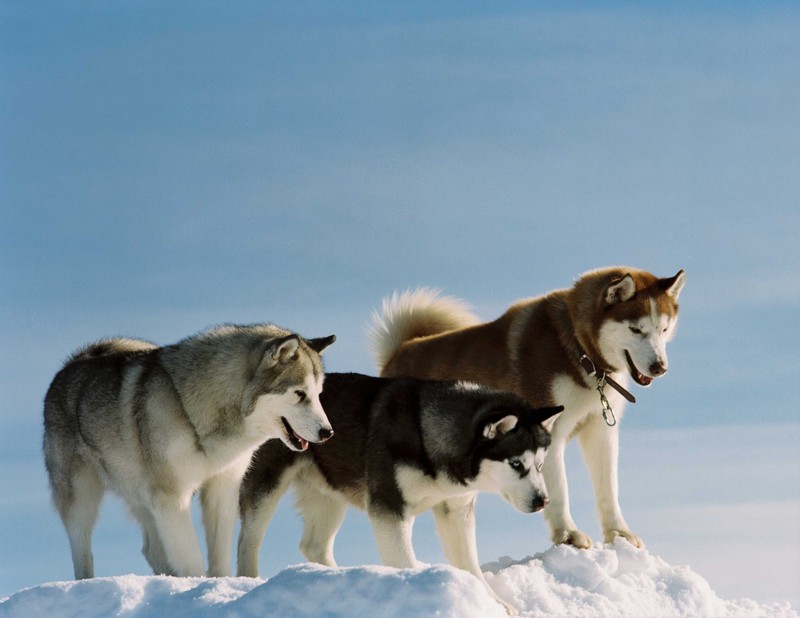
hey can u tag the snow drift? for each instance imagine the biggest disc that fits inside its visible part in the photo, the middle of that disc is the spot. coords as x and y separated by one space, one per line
613 580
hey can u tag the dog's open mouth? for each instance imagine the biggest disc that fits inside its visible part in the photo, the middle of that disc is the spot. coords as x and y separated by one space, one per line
638 376
296 441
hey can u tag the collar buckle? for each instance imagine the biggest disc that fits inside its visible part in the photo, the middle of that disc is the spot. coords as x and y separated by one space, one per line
602 379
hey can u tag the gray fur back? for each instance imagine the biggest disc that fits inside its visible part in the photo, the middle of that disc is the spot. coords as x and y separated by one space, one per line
104 347
121 392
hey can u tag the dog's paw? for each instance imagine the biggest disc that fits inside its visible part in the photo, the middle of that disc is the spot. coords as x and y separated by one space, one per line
576 538
610 535
510 609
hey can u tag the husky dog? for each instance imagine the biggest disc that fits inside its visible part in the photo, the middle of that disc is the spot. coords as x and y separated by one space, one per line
154 424
401 447
576 346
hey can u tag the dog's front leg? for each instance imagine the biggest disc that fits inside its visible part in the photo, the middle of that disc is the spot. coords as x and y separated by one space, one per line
600 446
173 519
152 546
219 501
393 538
562 527
455 524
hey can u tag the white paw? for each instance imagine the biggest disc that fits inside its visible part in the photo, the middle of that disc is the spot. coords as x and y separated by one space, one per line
510 609
576 538
610 535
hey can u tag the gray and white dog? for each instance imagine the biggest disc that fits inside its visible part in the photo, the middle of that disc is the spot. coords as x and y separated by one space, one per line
155 424
402 446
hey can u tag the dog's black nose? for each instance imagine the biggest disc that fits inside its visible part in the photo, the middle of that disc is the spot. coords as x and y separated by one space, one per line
658 369
538 503
325 434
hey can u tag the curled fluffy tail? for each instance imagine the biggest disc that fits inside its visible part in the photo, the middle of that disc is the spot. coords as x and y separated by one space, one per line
411 314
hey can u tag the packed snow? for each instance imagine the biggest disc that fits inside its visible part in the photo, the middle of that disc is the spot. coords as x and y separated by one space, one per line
611 580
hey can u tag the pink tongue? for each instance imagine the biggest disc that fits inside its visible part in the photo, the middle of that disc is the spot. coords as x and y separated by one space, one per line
303 443
645 379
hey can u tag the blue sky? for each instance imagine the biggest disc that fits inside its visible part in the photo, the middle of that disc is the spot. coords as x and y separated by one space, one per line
167 167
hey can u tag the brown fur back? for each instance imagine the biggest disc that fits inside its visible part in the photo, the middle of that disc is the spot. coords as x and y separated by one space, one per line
524 350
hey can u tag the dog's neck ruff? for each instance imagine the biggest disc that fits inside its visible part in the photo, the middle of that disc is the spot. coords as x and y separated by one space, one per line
604 378
569 338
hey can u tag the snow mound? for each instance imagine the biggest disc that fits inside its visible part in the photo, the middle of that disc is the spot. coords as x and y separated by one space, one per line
299 591
614 580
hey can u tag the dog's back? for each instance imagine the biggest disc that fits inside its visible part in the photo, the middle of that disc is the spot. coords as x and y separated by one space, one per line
88 383
422 335
110 346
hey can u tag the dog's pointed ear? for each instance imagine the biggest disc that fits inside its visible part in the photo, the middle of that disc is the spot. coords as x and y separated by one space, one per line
540 415
620 290
499 427
281 350
673 285
320 343
536 416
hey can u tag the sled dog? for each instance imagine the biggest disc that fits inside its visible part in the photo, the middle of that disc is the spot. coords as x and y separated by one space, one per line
155 424
402 446
578 347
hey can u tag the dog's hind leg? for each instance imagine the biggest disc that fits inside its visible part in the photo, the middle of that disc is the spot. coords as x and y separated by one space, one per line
78 505
455 524
256 511
323 514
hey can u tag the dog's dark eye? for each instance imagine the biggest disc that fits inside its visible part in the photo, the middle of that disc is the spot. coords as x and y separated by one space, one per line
636 331
517 465
301 396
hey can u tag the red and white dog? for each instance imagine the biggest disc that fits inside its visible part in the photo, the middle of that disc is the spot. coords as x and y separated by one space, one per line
578 347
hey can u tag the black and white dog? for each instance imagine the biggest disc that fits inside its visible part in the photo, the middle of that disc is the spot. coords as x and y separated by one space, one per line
401 447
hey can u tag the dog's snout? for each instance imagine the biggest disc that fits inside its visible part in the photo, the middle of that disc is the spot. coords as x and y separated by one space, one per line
325 433
538 503
658 369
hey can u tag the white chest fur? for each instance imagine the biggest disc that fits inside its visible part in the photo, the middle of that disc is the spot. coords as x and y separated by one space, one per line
581 404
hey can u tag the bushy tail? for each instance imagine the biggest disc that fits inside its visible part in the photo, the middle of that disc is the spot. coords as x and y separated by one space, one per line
104 347
412 314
